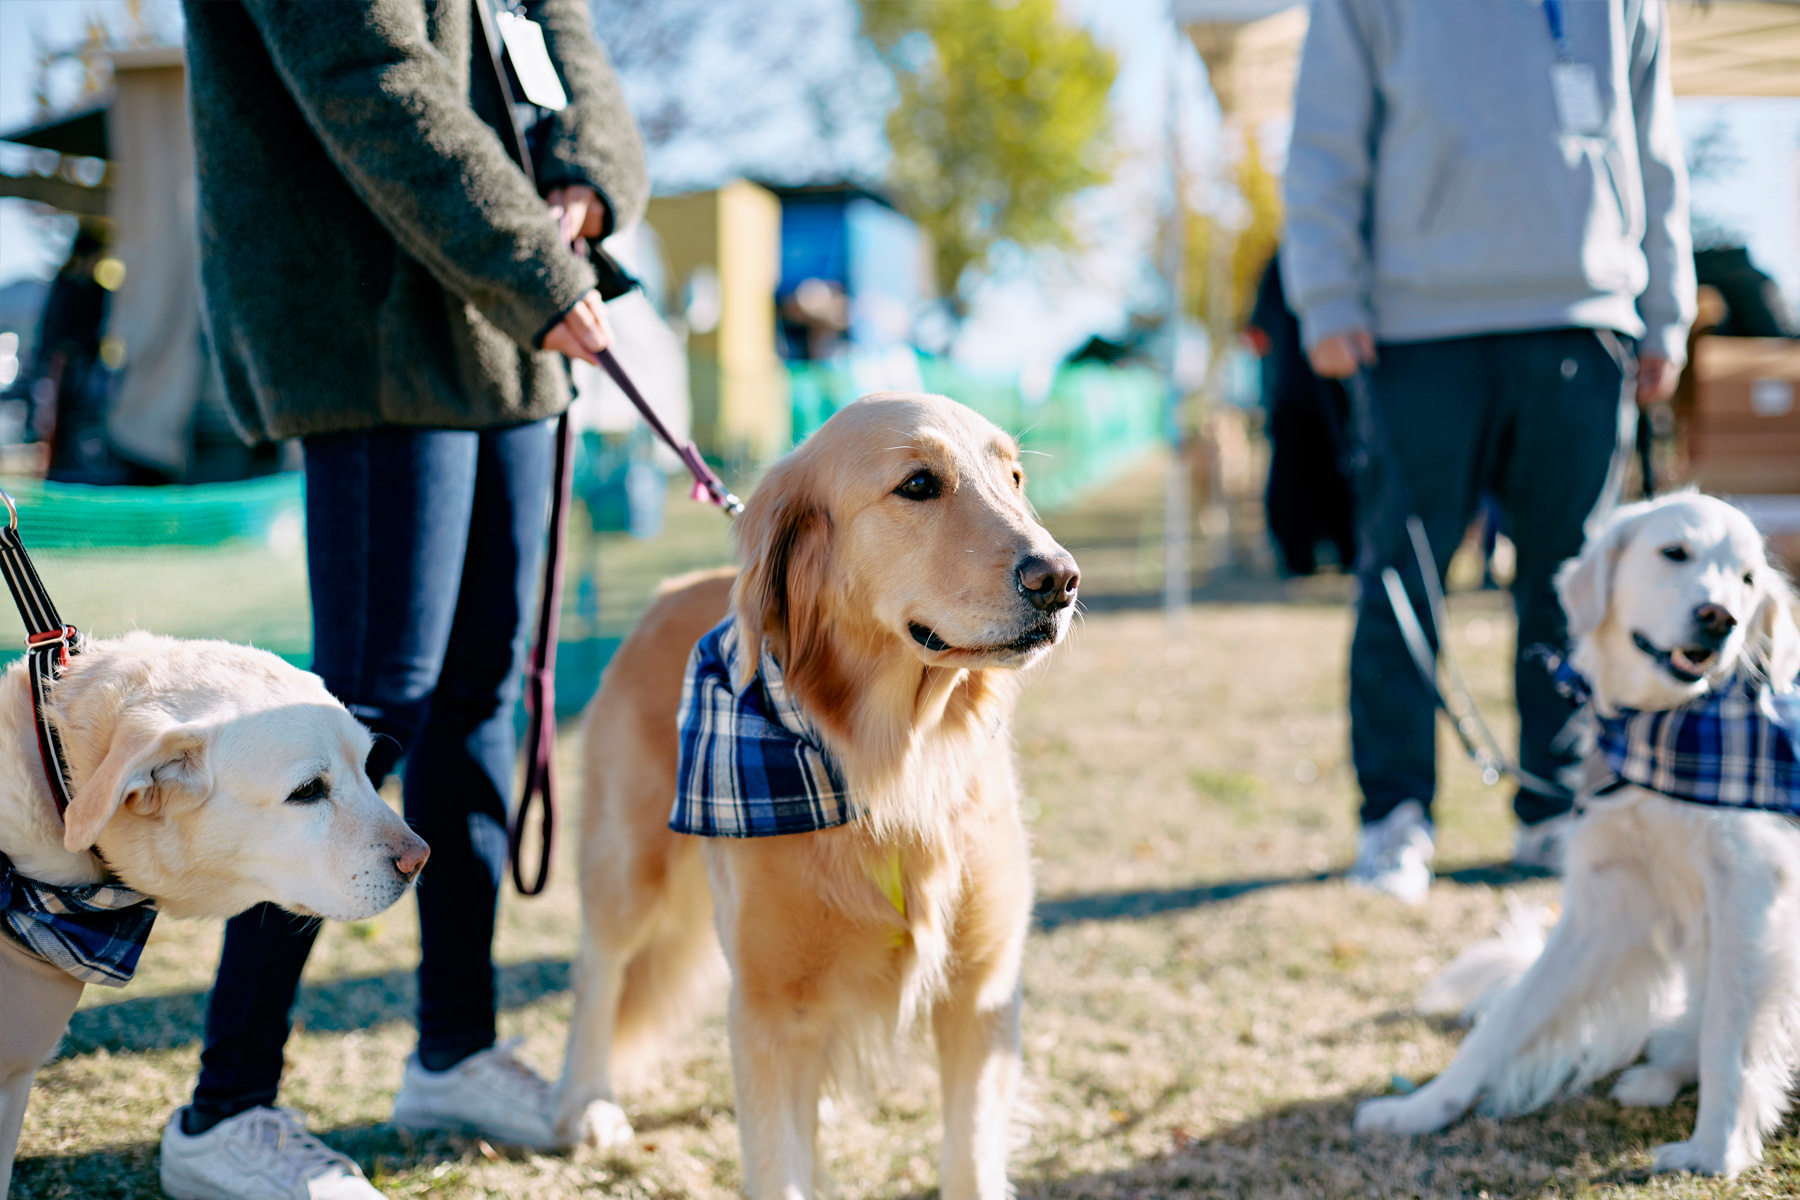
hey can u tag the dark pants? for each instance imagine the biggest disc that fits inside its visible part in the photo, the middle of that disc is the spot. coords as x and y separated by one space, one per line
1308 499
1541 421
422 550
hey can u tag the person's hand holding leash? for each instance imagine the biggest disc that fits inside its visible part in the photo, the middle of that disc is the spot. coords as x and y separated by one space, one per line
1340 355
583 332
580 209
1656 377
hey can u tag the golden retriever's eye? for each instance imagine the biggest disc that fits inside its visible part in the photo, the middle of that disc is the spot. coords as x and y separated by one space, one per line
1675 553
1018 479
920 485
308 792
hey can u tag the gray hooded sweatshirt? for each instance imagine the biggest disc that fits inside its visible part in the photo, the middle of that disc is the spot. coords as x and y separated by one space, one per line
1433 193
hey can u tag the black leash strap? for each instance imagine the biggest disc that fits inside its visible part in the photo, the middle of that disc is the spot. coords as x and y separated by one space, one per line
48 644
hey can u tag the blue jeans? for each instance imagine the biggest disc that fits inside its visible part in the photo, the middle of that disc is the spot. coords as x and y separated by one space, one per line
1541 421
423 548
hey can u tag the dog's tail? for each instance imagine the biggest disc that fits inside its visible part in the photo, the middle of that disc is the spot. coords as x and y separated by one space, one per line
1482 973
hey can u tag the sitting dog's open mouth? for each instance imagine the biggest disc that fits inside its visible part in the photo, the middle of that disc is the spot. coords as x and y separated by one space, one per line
1687 663
1040 633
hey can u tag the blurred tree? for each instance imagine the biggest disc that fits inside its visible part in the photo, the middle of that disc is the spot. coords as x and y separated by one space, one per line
1252 238
1002 117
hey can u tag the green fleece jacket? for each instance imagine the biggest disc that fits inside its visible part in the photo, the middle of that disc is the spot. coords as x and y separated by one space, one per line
370 254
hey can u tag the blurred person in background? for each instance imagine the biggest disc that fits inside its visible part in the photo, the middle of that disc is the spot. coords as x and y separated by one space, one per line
383 282
1487 212
1308 497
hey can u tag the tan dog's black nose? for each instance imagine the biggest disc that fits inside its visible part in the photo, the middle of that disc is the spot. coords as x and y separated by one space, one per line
1049 583
411 860
1715 620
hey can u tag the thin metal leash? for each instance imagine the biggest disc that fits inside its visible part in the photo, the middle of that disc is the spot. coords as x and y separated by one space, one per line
1479 741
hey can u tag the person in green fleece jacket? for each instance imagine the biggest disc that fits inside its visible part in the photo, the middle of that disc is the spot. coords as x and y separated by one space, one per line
1487 213
383 282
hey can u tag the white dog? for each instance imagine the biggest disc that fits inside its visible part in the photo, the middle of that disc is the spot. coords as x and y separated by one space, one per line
1680 933
210 777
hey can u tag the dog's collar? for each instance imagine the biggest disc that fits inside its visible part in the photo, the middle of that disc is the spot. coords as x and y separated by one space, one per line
48 644
1737 746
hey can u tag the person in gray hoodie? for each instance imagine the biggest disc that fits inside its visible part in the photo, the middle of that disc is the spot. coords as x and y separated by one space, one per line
1487 214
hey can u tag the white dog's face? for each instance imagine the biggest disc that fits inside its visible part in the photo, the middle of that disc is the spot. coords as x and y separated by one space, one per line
1672 597
214 777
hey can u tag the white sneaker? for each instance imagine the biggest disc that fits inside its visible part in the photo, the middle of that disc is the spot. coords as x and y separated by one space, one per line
1393 855
1544 845
260 1154
490 1094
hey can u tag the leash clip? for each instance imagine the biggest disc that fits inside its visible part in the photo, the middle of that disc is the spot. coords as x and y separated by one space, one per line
12 510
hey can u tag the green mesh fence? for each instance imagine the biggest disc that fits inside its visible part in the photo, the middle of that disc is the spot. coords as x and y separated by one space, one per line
229 560
1093 421
223 560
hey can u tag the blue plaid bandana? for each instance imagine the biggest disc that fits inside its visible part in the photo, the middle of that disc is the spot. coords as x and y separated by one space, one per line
751 764
1738 746
93 931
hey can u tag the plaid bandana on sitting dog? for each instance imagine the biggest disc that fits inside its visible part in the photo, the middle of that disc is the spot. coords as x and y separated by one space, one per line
751 764
93 931
1738 746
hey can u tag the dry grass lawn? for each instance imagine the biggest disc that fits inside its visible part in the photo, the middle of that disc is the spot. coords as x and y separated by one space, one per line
1206 1000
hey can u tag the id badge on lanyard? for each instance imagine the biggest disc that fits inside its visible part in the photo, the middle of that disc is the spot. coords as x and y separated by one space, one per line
1573 85
530 58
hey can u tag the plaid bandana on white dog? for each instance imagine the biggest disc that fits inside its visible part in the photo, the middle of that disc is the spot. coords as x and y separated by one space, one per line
1738 746
751 764
93 931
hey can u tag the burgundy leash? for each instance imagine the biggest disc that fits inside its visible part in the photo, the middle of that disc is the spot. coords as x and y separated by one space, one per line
540 672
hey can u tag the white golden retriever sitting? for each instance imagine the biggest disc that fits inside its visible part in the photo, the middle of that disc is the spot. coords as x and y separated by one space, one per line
207 776
1680 933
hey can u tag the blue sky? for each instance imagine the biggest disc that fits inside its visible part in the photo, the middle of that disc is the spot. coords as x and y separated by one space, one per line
1046 305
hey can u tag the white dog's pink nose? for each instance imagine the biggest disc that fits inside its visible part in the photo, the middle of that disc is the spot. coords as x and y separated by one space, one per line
411 860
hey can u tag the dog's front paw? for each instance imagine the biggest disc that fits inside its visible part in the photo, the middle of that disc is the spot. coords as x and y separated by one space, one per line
603 1124
1402 1114
1700 1159
1647 1087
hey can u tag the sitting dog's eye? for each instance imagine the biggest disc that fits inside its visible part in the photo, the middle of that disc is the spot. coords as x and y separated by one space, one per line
1750 578
1018 479
1675 553
920 485
308 792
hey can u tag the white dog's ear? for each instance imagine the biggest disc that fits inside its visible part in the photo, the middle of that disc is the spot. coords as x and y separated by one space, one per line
146 760
1584 583
1774 638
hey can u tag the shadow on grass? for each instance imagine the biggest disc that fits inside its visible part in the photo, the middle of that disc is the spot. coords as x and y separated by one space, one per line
1132 905
129 1171
337 1006
1580 1146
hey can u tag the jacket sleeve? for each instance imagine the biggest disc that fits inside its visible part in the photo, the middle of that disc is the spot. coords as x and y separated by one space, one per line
1668 302
392 113
594 140
1331 161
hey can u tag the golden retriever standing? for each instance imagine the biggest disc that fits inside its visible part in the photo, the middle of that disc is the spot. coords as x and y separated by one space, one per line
1680 933
893 570
207 776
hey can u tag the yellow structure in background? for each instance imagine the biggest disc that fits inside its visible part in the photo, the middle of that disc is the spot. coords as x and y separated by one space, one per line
724 257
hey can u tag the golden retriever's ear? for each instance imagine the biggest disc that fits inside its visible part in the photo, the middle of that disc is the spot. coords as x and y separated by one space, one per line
146 759
784 538
1774 638
1584 583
